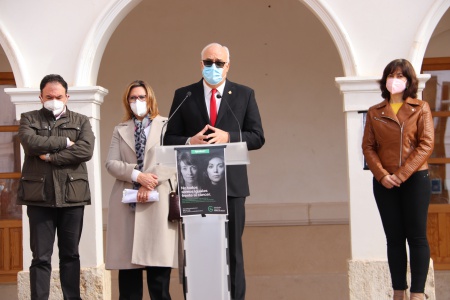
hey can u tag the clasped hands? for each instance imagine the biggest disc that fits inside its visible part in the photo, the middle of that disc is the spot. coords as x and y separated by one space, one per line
217 136
148 182
389 181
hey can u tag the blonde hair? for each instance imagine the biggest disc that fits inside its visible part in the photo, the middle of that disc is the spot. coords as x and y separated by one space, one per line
150 99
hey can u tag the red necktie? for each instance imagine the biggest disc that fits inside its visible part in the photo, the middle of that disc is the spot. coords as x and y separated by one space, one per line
212 108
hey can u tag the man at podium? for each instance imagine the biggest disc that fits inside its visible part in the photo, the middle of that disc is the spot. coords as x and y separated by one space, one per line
214 111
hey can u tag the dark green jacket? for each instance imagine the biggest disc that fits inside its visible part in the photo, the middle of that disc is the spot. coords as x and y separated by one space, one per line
63 181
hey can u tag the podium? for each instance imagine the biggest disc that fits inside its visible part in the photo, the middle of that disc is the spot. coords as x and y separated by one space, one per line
206 259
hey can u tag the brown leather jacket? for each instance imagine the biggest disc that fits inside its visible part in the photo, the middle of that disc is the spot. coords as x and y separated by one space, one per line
398 144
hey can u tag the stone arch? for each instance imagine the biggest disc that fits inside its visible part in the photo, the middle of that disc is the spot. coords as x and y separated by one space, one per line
337 32
344 46
95 43
91 51
425 31
14 56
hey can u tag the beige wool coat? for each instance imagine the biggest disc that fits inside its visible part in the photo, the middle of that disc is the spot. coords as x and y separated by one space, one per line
144 237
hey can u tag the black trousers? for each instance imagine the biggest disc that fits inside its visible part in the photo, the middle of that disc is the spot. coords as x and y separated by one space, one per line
131 283
404 212
236 224
45 222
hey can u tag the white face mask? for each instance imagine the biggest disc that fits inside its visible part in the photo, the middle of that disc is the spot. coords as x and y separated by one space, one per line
55 106
139 108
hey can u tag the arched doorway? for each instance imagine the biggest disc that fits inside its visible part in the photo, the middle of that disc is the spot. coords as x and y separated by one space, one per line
10 213
284 52
437 94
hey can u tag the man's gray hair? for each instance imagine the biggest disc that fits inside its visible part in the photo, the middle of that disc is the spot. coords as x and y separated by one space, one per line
216 44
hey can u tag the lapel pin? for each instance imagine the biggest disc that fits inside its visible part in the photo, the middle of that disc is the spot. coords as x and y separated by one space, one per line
229 92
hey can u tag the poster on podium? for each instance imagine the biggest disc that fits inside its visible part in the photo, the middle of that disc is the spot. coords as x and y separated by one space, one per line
202 181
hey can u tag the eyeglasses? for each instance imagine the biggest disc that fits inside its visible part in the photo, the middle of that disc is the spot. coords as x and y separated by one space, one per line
134 98
209 63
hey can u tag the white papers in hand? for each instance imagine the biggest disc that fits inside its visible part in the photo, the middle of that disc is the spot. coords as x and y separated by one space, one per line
130 196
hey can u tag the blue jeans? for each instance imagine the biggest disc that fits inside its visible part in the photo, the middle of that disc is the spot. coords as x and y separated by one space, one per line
404 212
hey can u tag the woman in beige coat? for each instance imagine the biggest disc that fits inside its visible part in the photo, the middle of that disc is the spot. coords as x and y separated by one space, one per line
139 236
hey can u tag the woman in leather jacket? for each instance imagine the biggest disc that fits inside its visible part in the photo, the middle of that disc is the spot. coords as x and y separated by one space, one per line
398 140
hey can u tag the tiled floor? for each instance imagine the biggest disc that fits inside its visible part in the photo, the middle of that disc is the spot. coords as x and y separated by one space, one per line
8 291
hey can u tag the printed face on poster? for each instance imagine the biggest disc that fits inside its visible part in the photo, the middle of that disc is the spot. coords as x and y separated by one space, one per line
202 180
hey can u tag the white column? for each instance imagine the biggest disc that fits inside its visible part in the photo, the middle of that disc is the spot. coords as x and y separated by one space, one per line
95 281
369 276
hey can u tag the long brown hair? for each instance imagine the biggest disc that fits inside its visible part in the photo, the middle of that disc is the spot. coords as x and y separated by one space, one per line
150 99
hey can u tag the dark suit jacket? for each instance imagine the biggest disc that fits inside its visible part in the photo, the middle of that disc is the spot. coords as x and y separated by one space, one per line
192 117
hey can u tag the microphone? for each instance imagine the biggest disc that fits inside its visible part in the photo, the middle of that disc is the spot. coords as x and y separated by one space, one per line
188 94
239 125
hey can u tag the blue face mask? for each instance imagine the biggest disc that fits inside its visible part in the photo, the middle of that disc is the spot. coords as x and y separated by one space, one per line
212 74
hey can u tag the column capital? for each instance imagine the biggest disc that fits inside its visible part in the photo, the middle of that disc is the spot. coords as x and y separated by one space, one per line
362 92
83 99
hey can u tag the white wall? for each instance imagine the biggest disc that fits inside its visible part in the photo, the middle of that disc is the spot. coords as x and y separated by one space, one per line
22 22
383 30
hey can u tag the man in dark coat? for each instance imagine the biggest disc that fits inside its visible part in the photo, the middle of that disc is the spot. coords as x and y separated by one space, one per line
54 185
220 111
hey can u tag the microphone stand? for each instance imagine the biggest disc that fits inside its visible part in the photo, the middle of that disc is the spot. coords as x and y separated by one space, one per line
188 94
